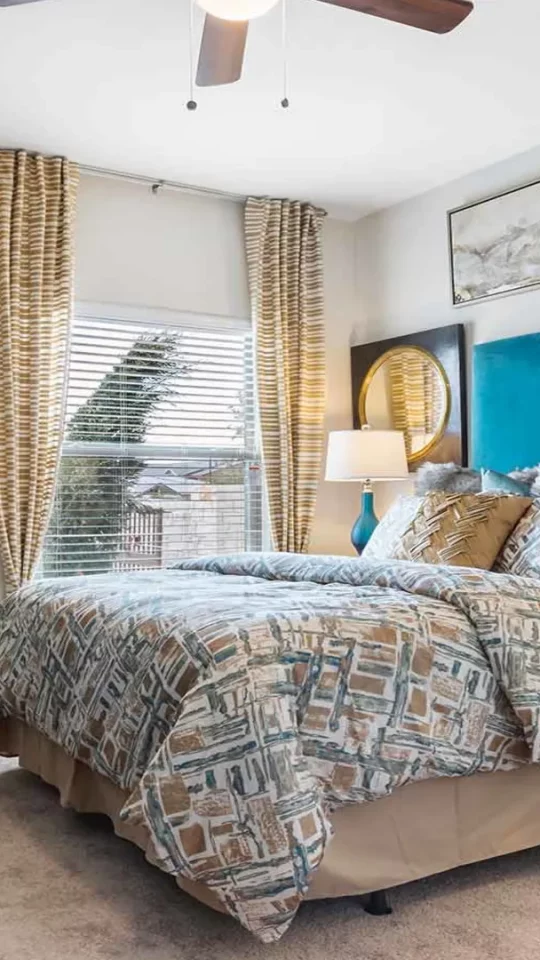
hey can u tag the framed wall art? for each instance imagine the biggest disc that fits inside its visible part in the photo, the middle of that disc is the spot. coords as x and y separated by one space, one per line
495 245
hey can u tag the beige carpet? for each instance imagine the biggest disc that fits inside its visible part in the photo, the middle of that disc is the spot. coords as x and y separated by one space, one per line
70 889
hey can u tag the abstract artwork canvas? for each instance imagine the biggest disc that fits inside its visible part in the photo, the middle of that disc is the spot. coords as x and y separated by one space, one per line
495 245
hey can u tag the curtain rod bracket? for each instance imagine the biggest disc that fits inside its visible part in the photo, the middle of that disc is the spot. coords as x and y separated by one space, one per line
157 187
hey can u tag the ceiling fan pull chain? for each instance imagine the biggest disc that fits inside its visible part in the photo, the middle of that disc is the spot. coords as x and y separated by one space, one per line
285 100
192 103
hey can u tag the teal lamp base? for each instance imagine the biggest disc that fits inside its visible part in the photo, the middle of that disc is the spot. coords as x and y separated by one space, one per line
366 523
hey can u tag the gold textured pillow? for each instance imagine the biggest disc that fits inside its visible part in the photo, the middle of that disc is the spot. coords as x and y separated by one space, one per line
463 530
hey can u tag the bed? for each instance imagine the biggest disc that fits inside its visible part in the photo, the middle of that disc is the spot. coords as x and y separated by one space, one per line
237 718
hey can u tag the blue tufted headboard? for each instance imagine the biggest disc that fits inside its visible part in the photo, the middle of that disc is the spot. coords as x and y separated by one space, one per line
506 403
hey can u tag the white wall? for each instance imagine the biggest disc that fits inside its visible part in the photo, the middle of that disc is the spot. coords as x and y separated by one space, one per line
402 263
403 278
337 503
185 252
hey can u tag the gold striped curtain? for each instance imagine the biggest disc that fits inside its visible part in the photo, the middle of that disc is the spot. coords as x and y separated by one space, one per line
283 243
37 206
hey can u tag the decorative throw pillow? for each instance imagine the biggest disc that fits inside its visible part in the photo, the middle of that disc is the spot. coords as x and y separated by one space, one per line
447 477
521 552
452 478
493 482
530 476
463 530
389 531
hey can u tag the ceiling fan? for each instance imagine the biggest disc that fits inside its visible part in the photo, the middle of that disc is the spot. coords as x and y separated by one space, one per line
226 25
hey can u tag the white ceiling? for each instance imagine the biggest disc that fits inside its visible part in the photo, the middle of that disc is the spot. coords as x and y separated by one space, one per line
379 112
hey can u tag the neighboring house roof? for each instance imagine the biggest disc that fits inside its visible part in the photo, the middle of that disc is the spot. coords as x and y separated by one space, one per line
180 481
169 489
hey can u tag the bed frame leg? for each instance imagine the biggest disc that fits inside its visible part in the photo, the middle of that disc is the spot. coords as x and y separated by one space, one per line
378 904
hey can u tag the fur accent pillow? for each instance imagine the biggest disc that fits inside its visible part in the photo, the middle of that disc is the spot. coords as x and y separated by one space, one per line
463 530
521 552
530 476
448 477
452 478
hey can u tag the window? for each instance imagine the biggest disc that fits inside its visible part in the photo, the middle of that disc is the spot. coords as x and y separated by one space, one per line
159 458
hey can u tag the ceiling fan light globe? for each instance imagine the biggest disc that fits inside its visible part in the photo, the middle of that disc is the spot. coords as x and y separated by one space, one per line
237 9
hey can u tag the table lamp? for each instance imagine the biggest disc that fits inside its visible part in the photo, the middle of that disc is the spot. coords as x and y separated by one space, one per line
366 455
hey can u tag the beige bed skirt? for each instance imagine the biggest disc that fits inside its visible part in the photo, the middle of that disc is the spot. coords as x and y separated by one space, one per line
422 829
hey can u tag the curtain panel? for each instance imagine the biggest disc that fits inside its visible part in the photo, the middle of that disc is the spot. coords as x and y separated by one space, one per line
37 207
284 254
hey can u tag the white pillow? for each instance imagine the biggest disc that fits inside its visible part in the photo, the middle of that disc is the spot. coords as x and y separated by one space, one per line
388 533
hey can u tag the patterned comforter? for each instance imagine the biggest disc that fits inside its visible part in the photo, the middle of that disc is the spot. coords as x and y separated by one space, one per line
241 699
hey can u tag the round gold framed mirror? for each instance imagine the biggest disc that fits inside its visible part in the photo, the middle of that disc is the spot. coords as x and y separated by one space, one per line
407 389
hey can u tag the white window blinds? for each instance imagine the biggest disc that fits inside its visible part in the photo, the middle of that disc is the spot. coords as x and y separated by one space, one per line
159 459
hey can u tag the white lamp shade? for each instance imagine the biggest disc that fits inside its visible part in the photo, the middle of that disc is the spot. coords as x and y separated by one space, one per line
366 455
237 9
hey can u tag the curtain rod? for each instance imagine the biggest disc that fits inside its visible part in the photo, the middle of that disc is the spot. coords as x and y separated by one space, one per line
157 183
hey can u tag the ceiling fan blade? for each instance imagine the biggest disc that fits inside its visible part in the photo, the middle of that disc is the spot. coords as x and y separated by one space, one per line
15 3
221 56
438 16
